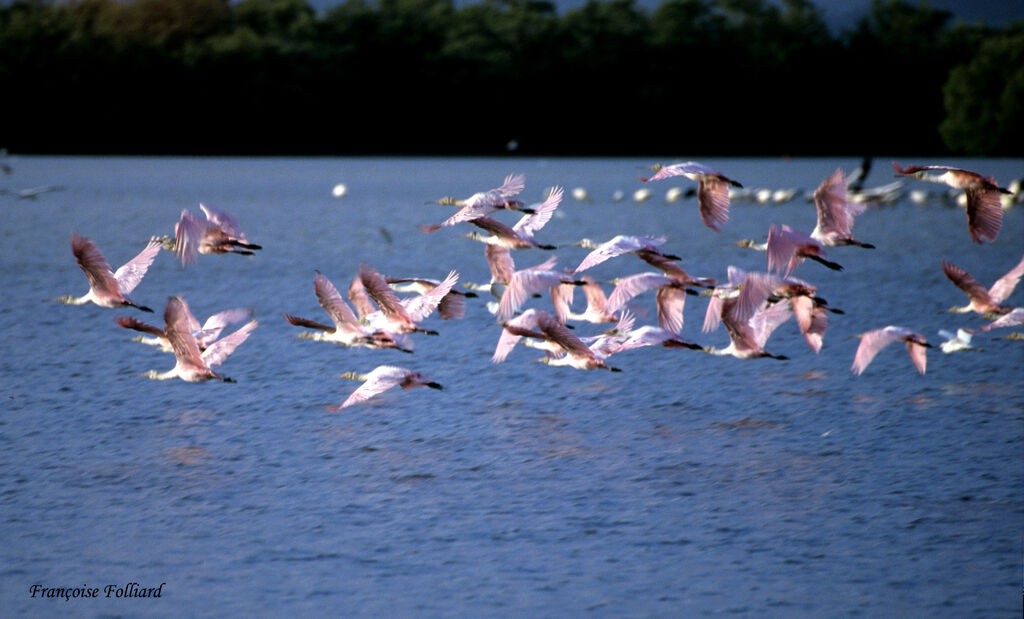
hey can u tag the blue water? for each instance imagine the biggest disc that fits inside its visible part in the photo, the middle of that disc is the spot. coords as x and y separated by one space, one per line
686 484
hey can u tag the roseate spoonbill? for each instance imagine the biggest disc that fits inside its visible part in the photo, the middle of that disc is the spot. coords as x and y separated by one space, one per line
983 301
347 329
452 305
519 236
712 189
513 331
526 282
401 315
484 202
595 311
576 354
618 245
219 234
835 213
648 335
205 334
984 211
379 380
109 288
787 247
192 365
748 328
873 341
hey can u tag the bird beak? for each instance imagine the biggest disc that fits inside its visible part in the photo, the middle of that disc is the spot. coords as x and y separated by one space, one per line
434 385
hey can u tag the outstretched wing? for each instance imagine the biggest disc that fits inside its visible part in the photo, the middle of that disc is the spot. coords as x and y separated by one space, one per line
131 273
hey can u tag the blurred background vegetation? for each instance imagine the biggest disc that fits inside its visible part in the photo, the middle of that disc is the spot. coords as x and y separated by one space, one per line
694 77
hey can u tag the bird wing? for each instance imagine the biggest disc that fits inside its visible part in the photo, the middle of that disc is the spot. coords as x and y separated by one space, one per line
129 322
830 203
811 320
496 227
222 348
452 306
1003 287
421 306
179 333
616 247
382 378
563 336
309 324
918 355
227 224
629 287
378 290
713 201
226 318
766 320
357 296
131 273
713 314
874 341
511 187
330 300
499 260
671 300
531 223
188 234
522 285
94 265
510 336
963 280
1012 319
984 213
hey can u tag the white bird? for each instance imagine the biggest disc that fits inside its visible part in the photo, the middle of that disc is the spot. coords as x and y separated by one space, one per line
219 234
109 288
205 334
379 380
983 301
712 189
192 365
347 329
836 213
955 342
873 341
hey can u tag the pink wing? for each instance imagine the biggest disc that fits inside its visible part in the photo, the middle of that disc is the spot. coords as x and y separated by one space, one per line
966 282
94 265
713 200
227 223
984 214
131 273
509 338
179 333
524 284
671 300
222 348
419 307
874 341
499 259
629 287
382 378
332 303
918 355
188 235
378 290
529 224
616 247
1004 286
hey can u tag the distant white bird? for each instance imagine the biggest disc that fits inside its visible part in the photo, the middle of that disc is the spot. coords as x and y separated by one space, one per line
219 234
955 342
192 365
983 301
107 288
836 213
31 193
347 329
873 341
712 189
379 380
984 210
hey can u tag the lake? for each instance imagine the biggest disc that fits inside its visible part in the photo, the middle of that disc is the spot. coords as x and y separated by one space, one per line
687 484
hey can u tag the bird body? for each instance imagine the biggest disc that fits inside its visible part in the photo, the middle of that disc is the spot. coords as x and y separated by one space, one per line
873 341
526 282
379 380
984 208
712 189
109 288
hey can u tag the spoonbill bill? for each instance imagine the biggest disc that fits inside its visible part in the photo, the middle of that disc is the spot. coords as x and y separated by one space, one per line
192 365
712 189
986 302
347 329
219 234
484 203
617 246
984 210
109 288
379 380
836 213
205 334
873 341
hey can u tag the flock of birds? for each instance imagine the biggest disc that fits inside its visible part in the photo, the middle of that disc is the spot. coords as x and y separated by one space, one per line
386 313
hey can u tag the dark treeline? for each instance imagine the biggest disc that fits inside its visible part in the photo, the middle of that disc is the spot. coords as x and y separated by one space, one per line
696 77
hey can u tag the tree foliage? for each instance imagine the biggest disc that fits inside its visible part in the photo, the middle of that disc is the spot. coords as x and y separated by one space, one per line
705 77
